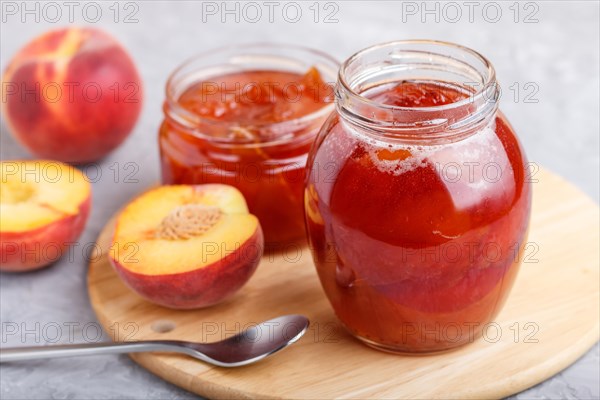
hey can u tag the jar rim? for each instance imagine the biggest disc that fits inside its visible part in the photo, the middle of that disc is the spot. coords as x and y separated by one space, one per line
183 115
420 60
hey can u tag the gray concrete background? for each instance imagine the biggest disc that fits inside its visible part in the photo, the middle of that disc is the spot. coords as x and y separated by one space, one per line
557 54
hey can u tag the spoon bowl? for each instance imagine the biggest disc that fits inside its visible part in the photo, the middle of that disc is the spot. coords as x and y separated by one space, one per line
253 344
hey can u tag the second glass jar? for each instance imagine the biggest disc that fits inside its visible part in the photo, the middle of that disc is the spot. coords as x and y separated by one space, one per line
247 116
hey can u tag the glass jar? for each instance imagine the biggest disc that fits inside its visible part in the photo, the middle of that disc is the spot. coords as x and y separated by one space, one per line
246 116
417 201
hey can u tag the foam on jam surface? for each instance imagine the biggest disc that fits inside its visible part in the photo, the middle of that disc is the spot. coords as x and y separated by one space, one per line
417 246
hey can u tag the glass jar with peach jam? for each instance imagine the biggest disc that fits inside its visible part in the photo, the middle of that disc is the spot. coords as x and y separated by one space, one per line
417 200
247 116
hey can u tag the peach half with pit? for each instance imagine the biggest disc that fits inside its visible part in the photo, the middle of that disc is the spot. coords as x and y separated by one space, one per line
44 206
187 246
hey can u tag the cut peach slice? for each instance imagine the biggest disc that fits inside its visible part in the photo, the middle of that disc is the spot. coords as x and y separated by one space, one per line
186 246
44 206
311 205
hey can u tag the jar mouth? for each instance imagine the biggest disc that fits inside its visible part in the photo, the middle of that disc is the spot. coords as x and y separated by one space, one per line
238 58
417 60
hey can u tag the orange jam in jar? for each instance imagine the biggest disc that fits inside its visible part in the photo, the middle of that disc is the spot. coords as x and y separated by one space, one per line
417 200
247 116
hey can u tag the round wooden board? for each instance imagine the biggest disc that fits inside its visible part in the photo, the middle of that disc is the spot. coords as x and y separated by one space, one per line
550 319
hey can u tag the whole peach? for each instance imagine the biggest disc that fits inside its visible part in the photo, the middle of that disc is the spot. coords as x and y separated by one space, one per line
71 95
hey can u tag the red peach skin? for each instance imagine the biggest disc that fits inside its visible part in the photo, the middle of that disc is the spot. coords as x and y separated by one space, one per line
202 287
27 251
72 95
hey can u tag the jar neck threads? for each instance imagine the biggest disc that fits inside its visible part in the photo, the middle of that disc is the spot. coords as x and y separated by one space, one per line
425 61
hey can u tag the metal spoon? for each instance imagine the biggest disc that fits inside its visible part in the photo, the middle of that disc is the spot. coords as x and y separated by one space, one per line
247 347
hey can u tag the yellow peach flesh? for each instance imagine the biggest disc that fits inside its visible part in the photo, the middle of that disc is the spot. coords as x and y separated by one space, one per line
139 246
37 193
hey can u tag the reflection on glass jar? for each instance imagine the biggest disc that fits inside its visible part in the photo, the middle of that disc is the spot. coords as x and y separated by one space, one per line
417 201
247 116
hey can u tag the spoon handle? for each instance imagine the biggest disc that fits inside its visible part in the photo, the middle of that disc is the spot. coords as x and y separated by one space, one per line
85 349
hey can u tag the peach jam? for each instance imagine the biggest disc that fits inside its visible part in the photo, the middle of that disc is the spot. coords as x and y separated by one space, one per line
417 201
247 116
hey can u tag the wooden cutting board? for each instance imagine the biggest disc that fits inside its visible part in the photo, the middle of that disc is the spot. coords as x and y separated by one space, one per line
550 319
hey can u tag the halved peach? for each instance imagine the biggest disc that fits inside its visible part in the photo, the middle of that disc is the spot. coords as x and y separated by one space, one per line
185 246
44 206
